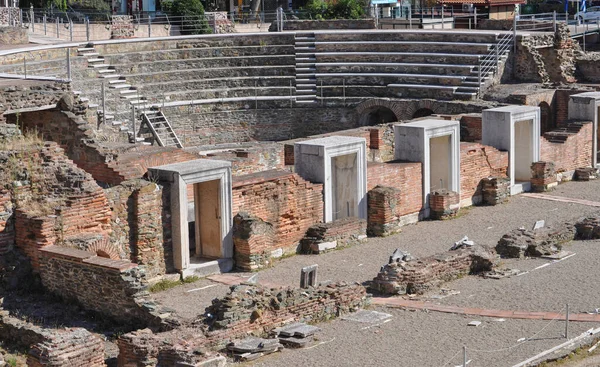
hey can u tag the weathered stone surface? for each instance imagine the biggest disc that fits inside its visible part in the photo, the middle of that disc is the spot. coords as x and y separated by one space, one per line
12 35
586 174
495 190
342 232
520 243
417 276
543 176
588 228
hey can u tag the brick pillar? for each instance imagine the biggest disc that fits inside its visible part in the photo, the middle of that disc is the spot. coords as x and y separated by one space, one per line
443 204
375 138
543 176
382 203
495 190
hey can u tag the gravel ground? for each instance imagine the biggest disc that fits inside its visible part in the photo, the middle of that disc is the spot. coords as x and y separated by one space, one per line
418 338
573 281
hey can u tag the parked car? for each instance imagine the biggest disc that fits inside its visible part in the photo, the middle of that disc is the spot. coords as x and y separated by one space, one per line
591 14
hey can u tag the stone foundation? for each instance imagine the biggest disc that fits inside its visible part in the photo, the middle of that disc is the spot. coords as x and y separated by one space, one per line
521 243
340 233
443 204
13 35
419 275
248 309
52 347
383 204
495 190
121 294
543 176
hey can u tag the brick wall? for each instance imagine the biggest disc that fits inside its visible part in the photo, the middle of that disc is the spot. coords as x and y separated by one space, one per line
338 233
59 203
111 166
137 224
404 176
248 309
283 199
419 275
470 127
254 159
573 150
30 95
112 288
52 347
478 161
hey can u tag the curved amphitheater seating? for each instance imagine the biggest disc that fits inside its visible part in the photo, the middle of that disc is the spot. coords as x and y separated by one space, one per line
290 69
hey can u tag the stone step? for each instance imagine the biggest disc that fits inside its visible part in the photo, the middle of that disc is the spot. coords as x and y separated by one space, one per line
120 86
306 85
99 66
131 96
305 59
110 76
117 81
304 38
84 99
305 48
117 123
304 43
88 54
306 96
307 91
95 60
307 102
128 91
84 49
106 71
124 128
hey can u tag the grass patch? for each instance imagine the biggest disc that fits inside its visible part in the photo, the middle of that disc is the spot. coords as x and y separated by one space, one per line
165 284
577 355
11 360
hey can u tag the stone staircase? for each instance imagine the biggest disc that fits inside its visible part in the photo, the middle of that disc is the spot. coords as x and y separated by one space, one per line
155 128
116 84
561 135
306 80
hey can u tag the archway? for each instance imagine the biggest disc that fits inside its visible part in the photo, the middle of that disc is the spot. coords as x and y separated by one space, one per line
546 118
422 112
377 115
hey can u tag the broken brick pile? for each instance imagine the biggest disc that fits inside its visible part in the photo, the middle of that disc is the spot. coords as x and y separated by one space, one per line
416 276
443 204
588 228
586 174
74 347
478 162
113 288
56 201
338 233
544 241
248 309
543 176
382 211
495 190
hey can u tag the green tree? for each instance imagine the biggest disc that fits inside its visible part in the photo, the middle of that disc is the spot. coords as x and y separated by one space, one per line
336 9
190 16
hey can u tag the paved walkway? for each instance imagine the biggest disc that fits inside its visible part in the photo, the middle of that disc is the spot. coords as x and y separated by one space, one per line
562 199
421 305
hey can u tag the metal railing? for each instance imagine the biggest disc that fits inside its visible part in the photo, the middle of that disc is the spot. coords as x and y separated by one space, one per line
490 63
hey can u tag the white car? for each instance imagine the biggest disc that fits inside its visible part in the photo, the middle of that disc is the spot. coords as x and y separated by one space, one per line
592 14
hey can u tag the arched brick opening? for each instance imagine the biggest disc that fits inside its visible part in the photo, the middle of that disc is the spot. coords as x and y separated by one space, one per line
422 112
377 115
547 122
103 248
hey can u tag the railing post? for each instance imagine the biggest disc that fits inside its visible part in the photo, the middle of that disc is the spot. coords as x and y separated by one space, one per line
21 17
442 16
554 20
25 67
497 59
149 26
475 17
71 30
32 19
479 78
469 22
87 29
57 28
515 36
68 64
103 88
45 26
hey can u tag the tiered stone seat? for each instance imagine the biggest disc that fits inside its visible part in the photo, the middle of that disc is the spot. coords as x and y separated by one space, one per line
423 64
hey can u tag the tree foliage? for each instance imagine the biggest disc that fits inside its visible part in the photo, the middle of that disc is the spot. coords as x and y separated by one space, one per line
190 15
338 9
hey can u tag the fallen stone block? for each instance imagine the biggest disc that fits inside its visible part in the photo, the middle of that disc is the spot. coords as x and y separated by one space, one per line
588 228
586 174
520 243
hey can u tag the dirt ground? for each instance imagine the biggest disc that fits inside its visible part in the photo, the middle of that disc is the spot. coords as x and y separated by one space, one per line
420 338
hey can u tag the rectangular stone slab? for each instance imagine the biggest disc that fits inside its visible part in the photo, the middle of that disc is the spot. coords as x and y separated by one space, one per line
292 342
301 331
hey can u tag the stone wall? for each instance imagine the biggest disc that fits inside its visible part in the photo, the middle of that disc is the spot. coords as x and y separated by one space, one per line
252 159
31 94
7 223
13 35
112 288
248 309
478 161
288 203
344 24
137 225
416 276
52 347
569 148
587 66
